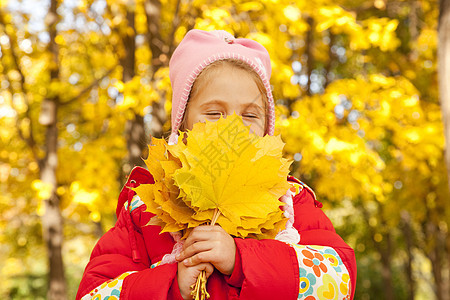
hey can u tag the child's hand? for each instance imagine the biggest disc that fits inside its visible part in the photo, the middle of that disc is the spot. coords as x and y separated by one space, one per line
209 244
187 276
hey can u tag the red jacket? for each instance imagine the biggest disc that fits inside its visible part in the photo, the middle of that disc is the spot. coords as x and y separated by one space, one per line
264 269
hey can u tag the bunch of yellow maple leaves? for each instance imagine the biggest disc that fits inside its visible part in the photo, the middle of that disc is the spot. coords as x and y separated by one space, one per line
217 173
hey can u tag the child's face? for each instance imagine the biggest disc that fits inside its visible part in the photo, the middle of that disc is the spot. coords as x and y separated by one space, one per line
228 89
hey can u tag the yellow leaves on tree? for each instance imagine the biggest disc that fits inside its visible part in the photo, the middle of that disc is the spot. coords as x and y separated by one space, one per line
222 166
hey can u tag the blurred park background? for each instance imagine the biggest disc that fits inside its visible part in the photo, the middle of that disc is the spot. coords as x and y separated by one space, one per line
84 83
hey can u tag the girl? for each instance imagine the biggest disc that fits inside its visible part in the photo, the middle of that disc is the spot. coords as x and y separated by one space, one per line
214 74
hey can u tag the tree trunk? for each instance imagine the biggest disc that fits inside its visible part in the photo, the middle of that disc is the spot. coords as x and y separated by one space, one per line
408 235
384 248
434 249
386 272
447 243
134 129
331 58
155 42
436 265
444 74
136 141
444 93
52 221
308 52
160 57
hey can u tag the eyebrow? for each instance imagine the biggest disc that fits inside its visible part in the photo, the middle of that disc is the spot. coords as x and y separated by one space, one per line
220 102
254 105
213 102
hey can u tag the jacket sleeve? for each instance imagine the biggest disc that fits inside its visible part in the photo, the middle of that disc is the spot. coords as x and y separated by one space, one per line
316 229
270 269
265 269
119 264
117 269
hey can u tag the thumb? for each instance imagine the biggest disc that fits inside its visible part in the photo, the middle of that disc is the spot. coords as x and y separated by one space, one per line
208 268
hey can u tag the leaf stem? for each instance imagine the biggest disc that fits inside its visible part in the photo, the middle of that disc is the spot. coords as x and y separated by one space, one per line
199 289
215 216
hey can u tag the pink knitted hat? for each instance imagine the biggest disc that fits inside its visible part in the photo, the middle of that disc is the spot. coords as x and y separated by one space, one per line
200 48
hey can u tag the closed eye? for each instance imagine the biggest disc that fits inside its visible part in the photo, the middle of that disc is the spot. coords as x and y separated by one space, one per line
213 115
251 116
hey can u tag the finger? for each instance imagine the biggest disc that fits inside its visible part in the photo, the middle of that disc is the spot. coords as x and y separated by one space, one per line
198 258
207 267
206 228
194 249
201 235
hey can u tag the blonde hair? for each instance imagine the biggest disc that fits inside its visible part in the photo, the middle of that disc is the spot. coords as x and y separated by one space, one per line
205 75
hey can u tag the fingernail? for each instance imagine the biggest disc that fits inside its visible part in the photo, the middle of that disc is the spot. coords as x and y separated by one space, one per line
185 262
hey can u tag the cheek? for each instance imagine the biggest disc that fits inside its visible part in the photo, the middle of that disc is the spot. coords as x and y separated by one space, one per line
257 127
190 118
193 118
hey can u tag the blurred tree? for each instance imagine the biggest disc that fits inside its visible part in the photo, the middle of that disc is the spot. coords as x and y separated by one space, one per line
51 218
444 73
36 94
374 135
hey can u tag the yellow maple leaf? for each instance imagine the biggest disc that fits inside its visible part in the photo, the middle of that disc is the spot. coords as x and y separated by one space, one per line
162 197
156 154
151 195
229 169
218 167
